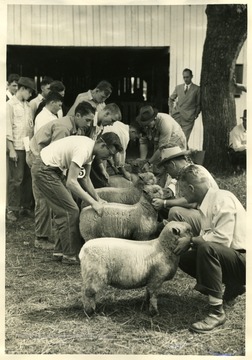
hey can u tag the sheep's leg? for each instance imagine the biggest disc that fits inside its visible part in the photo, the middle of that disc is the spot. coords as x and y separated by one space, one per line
152 289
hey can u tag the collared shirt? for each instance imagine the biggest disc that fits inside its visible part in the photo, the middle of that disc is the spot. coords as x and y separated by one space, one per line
63 152
8 95
86 96
43 118
19 122
238 138
223 219
34 103
187 86
52 131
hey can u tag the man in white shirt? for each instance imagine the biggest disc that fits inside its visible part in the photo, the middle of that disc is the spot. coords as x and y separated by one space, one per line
217 255
45 88
53 103
75 155
238 144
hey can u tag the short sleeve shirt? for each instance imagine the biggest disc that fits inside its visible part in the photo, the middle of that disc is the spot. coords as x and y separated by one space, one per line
61 153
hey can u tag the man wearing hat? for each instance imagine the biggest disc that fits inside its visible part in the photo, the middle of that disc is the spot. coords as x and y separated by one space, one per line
238 144
174 160
165 131
19 125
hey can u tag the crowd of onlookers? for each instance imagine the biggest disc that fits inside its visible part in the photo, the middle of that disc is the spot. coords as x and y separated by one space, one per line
58 157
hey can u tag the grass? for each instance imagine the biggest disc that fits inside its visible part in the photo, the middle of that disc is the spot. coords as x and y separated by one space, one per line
44 312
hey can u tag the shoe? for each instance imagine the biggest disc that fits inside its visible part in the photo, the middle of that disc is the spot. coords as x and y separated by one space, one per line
11 216
69 260
212 321
57 256
231 292
43 243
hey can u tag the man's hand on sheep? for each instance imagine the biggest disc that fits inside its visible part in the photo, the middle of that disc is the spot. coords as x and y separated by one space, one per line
98 207
102 201
158 204
183 245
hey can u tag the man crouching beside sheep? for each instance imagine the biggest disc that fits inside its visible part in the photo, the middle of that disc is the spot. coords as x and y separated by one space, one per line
128 264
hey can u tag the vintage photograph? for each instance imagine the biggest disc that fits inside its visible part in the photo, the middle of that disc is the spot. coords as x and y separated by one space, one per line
126 178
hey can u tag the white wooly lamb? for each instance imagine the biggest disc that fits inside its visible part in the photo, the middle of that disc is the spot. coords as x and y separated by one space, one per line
128 264
128 195
136 222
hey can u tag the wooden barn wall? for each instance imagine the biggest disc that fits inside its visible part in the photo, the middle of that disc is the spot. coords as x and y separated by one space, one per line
181 27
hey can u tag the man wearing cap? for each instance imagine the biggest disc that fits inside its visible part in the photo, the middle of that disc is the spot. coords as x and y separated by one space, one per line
187 108
75 155
238 144
19 125
164 129
174 160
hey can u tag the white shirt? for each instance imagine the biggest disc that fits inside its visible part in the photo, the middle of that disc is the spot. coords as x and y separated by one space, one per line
223 219
238 138
61 153
9 94
122 130
44 117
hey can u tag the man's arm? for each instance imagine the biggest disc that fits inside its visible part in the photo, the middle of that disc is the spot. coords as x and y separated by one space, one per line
198 103
171 99
74 186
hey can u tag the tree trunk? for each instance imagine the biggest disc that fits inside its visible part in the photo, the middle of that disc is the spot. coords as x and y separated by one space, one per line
226 33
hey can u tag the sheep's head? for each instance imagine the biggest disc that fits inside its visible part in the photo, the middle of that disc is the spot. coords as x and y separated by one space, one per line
153 191
148 178
175 230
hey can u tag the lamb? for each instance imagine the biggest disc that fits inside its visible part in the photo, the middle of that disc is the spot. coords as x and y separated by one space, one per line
120 181
136 222
128 264
129 195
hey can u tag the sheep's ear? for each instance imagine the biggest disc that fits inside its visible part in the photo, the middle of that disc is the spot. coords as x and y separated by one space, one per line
165 222
176 231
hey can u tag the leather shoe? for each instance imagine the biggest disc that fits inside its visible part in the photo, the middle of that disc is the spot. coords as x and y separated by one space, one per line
209 323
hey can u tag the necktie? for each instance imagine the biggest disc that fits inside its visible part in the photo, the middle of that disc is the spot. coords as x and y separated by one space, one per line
186 89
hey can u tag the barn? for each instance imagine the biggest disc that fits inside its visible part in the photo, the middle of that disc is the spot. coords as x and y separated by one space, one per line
140 49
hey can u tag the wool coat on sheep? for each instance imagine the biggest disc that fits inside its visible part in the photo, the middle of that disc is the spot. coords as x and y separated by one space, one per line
128 264
137 222
120 181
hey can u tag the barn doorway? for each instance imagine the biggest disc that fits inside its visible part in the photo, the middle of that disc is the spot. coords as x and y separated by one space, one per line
139 75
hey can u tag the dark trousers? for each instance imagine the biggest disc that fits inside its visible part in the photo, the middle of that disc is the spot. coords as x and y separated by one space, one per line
212 265
66 212
20 184
237 158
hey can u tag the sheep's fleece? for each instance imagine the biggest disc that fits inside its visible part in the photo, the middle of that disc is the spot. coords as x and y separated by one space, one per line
128 264
136 222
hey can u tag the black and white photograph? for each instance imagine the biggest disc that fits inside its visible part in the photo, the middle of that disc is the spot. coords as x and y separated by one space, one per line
125 185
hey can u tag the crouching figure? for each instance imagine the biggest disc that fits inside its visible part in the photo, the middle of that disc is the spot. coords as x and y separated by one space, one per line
128 264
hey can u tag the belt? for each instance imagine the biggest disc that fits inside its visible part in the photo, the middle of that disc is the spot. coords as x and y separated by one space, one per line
242 251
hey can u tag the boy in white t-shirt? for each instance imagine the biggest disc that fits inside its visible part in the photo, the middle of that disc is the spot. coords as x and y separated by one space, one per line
75 154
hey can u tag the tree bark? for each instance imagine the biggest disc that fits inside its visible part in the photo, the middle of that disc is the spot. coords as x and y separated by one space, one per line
226 34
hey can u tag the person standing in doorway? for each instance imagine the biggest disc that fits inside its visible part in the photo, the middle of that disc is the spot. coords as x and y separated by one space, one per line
184 103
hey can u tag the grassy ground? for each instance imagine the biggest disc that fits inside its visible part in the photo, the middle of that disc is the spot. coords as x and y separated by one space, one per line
44 312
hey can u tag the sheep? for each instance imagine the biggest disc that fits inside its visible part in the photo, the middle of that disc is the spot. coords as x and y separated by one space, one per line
120 181
136 222
129 195
129 264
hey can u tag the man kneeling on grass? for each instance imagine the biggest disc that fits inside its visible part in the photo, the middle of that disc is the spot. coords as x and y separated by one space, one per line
218 255
75 155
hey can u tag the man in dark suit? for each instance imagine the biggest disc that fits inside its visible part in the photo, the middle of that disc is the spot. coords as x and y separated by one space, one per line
187 107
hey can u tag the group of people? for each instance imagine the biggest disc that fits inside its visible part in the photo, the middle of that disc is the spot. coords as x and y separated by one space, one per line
50 165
